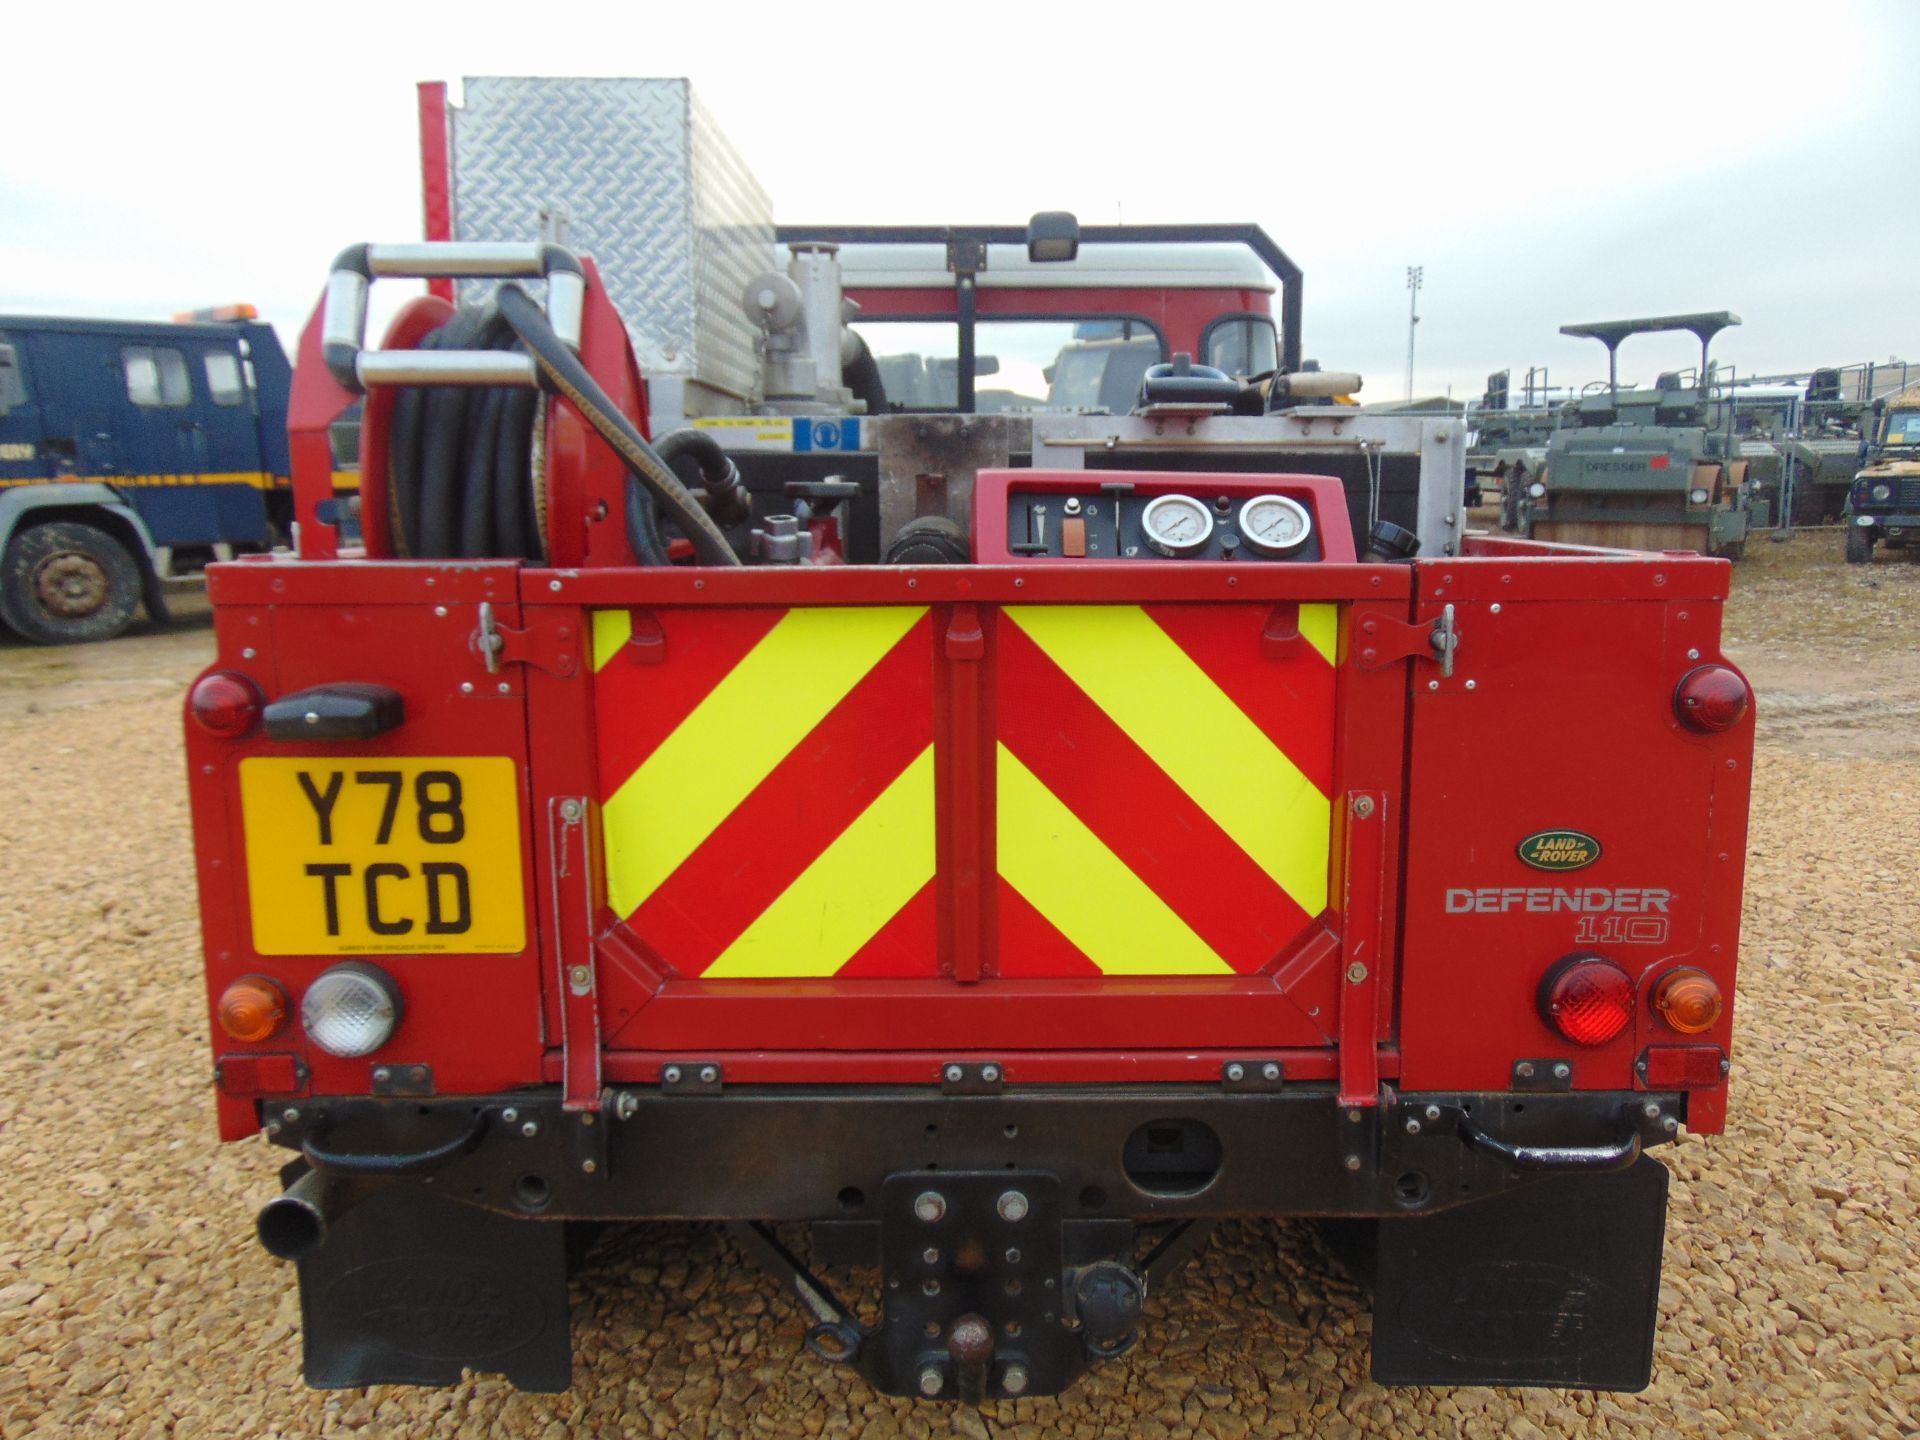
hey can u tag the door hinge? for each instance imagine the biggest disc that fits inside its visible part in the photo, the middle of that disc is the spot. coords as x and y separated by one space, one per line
1380 641
550 643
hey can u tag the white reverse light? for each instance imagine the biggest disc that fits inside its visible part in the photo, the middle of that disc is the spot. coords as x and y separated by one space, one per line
351 1010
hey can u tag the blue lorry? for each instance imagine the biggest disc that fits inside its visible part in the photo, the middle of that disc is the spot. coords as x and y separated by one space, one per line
130 450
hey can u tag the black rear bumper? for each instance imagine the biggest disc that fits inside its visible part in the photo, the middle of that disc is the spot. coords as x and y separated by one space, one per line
1511 1238
806 1154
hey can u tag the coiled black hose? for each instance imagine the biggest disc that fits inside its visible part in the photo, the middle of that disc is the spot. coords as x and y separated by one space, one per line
459 458
697 459
460 481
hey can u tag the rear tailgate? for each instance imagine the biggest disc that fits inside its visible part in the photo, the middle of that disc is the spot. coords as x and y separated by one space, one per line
864 824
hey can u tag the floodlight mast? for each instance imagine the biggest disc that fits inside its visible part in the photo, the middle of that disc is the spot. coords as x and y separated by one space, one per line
1415 273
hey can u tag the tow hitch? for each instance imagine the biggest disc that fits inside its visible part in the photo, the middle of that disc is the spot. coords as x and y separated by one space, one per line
988 1291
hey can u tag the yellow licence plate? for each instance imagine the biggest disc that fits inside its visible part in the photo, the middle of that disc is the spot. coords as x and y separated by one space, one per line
418 855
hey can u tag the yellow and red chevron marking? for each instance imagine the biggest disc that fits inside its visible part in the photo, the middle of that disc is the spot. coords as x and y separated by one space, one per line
1162 788
768 789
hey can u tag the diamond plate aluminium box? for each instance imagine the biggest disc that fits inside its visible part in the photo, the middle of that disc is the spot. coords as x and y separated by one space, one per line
635 173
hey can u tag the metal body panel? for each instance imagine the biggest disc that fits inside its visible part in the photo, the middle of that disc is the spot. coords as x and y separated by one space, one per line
1514 667
488 1027
196 472
1406 468
1595 669
636 173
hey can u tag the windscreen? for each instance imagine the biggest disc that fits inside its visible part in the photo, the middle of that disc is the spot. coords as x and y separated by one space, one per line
1020 366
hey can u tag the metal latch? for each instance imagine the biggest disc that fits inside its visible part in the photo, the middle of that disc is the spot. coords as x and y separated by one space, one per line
491 643
1445 640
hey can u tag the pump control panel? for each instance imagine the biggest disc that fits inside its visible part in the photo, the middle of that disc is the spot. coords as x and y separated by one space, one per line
1111 515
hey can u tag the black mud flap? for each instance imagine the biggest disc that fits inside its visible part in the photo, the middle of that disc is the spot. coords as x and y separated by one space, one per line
409 1289
1555 1283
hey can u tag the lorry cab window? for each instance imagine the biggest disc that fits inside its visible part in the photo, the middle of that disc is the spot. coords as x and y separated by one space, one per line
1243 345
13 384
224 381
156 376
1036 366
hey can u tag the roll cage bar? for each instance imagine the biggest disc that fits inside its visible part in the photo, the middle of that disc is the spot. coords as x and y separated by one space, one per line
1703 325
966 247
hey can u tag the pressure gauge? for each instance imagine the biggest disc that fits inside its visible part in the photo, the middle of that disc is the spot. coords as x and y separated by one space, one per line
1177 525
1275 524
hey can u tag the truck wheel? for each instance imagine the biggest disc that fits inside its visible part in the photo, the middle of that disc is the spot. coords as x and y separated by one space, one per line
1809 508
1859 544
65 583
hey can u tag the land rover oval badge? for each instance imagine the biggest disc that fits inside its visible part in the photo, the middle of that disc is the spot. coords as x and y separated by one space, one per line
1559 850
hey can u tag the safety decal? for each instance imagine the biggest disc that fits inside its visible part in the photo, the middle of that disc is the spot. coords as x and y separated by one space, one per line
768 788
798 434
1162 788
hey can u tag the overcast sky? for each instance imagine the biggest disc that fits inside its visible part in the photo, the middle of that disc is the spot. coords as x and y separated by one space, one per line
1544 163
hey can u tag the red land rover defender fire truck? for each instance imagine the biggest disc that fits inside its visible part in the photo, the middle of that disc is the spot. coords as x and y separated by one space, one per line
996 892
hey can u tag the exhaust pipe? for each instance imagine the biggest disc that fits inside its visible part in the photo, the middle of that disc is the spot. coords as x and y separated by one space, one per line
294 1225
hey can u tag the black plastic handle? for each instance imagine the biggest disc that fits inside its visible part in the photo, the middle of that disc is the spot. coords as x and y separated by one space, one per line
1591 1159
413 1162
345 710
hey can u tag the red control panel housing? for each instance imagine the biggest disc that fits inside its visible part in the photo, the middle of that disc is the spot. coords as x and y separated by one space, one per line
1116 495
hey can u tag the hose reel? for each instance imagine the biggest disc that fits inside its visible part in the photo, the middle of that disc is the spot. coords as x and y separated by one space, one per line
466 477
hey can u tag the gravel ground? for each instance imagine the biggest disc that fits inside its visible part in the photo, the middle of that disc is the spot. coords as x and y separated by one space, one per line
133 1300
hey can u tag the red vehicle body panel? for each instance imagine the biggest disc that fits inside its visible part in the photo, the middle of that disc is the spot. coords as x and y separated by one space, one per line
1397 979
1447 1000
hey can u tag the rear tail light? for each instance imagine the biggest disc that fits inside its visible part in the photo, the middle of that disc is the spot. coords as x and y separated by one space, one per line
225 704
1587 998
253 1009
351 1010
1711 698
1688 1000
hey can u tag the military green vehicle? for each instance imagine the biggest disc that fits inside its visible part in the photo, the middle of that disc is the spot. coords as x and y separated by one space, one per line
1884 504
1508 444
1644 469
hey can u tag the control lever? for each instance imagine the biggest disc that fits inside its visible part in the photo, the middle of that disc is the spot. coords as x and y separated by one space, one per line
1036 541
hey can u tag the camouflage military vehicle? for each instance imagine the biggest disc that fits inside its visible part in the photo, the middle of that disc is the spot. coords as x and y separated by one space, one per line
1884 504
